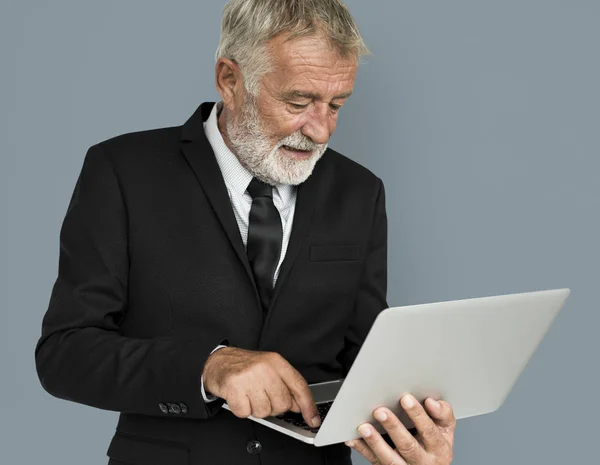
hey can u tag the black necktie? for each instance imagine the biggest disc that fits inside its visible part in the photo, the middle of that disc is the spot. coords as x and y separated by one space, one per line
265 236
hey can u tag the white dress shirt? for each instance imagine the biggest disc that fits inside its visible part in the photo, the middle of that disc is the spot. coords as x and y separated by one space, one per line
237 178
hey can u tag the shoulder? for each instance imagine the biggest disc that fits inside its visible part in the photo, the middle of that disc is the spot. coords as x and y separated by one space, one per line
341 171
131 147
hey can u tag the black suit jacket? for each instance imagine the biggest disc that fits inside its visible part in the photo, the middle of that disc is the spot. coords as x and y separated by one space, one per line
153 275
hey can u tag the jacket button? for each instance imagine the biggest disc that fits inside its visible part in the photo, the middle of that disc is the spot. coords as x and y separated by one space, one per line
174 408
184 408
163 408
254 447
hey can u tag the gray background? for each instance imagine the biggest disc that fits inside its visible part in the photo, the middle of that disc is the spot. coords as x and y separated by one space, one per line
481 117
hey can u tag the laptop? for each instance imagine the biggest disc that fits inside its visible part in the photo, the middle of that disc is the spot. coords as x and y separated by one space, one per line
468 352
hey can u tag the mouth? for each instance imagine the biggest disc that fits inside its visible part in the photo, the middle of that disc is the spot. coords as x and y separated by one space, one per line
296 152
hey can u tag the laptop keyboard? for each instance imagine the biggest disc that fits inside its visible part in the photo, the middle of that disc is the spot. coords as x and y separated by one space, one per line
297 420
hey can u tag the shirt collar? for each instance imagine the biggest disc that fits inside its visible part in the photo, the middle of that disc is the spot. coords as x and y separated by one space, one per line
235 174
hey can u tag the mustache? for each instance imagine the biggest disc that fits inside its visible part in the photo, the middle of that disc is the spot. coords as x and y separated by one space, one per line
299 141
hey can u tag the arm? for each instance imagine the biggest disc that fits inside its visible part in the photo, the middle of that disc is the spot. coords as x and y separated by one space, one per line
81 355
371 295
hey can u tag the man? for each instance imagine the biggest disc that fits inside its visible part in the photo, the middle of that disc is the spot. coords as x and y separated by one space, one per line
235 258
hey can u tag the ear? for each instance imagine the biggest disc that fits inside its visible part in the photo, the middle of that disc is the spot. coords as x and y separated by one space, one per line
230 82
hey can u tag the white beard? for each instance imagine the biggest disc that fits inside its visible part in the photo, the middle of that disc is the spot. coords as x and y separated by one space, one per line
270 165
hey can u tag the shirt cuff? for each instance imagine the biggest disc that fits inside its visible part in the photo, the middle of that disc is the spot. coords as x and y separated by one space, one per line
205 396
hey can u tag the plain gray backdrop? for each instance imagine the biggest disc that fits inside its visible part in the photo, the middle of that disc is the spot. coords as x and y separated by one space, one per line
482 118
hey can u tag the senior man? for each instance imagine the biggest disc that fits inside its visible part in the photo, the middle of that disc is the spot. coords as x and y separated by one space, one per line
235 258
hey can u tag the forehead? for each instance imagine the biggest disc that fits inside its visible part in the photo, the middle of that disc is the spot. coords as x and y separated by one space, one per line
310 64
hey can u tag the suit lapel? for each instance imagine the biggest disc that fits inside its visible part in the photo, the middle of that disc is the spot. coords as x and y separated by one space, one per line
306 199
200 156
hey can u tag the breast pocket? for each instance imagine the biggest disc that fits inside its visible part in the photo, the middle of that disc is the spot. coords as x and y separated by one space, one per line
335 253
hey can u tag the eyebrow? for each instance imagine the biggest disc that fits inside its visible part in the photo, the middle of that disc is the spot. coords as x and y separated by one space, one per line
309 95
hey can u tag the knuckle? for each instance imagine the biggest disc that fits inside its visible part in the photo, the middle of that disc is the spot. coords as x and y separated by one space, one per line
392 423
262 369
373 440
285 404
283 393
273 358
442 445
261 411
281 399
446 457
301 382
452 425
239 409
234 380
294 375
280 407
408 447
430 431
242 413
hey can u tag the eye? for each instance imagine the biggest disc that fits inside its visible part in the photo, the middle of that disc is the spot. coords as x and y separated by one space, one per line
335 108
298 106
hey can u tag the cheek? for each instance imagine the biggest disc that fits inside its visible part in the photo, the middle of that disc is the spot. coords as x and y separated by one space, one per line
287 125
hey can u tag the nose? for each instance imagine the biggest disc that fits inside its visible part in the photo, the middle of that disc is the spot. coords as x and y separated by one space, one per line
317 126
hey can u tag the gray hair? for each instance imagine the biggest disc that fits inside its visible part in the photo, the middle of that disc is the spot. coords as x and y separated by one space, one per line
248 25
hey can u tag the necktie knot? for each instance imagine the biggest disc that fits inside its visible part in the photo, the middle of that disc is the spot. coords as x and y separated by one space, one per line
257 188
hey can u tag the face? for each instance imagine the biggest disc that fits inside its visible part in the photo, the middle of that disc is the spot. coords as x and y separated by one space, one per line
281 134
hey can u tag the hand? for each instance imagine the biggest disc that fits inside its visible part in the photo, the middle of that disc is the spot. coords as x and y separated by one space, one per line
431 446
260 384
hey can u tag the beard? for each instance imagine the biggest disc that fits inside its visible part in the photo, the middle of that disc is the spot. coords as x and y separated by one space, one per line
265 162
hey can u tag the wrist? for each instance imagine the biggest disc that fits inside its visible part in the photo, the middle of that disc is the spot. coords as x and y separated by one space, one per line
208 373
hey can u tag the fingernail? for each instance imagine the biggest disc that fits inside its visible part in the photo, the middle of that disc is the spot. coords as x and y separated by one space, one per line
316 421
408 401
349 443
436 404
380 415
364 431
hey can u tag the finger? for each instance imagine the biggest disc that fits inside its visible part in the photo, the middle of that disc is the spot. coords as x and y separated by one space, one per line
441 412
280 398
295 406
302 394
360 446
430 434
240 405
404 441
443 415
383 452
261 405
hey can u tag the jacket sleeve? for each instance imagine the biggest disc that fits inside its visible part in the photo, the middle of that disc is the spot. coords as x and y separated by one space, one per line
372 291
81 355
